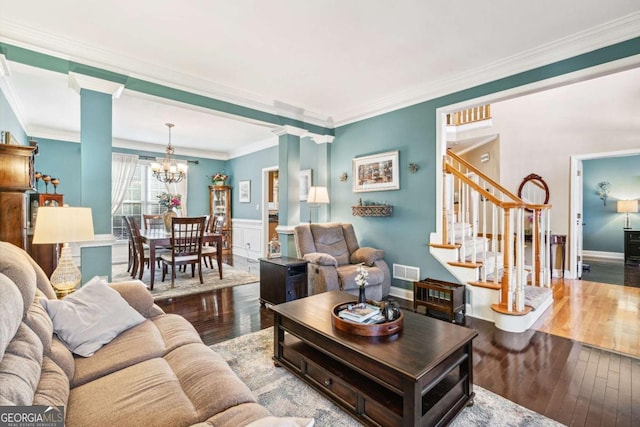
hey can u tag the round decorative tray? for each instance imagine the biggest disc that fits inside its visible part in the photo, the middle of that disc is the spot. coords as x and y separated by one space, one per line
367 330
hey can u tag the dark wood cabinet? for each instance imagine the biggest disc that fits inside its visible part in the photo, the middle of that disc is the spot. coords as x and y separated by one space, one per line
16 178
282 279
632 246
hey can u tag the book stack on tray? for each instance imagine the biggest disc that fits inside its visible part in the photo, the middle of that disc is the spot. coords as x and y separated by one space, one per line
362 313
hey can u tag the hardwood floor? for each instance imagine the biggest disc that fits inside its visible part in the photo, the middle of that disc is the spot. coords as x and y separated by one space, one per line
545 370
612 271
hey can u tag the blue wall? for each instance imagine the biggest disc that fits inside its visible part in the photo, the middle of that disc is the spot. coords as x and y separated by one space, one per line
410 130
9 122
603 226
61 159
250 167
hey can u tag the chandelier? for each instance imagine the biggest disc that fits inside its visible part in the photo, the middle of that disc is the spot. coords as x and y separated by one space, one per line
169 171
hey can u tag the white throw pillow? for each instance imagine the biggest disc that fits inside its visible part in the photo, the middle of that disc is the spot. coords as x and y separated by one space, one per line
91 317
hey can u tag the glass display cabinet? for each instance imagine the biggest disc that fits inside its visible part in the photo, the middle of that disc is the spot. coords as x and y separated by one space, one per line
220 204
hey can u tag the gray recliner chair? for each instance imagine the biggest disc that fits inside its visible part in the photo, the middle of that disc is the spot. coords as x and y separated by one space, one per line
334 256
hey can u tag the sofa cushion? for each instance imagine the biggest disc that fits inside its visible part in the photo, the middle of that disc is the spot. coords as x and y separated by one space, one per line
153 338
329 239
239 415
11 312
320 259
147 393
53 388
136 294
91 317
15 265
347 276
198 368
20 368
366 255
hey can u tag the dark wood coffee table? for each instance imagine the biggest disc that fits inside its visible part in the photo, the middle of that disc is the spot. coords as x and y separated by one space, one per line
421 376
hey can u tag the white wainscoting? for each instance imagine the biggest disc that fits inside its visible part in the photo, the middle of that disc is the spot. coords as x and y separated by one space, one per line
247 238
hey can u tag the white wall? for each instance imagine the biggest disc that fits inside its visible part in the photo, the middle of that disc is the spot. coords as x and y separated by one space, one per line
539 132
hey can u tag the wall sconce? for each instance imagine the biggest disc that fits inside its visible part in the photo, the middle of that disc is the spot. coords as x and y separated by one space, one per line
626 207
413 167
604 187
343 177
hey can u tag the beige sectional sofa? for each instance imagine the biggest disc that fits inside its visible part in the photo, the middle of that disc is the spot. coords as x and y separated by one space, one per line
155 373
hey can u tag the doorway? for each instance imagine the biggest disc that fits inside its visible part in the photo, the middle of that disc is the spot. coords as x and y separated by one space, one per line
270 208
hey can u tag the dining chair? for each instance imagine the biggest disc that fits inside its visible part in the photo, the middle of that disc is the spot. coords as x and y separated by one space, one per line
209 250
186 246
153 221
131 259
141 252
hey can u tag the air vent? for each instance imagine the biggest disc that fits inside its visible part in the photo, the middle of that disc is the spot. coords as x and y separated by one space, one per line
405 272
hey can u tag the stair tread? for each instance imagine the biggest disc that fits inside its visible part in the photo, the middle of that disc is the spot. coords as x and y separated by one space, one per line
488 285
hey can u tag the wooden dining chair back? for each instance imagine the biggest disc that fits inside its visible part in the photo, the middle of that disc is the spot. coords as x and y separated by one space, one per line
131 259
140 255
216 223
153 221
186 246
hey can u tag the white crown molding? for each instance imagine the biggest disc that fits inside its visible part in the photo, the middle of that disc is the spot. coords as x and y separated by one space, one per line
7 89
252 148
74 136
322 139
597 37
612 32
82 81
50 133
75 50
4 67
290 130
158 148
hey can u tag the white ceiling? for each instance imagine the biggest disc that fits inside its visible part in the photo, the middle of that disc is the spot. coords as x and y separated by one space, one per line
328 62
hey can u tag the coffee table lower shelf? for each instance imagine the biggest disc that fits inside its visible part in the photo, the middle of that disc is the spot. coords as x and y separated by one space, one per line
373 401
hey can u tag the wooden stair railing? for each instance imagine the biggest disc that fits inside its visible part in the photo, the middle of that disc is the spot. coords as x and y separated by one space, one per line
469 115
477 211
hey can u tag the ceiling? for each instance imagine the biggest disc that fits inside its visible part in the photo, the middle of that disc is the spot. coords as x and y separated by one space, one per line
327 62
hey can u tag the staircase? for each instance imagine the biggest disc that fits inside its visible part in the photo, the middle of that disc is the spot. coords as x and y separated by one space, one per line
486 233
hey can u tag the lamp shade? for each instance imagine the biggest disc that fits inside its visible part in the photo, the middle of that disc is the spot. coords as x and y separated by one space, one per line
63 225
627 206
318 195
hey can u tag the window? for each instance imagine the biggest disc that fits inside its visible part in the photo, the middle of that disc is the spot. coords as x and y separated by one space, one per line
141 198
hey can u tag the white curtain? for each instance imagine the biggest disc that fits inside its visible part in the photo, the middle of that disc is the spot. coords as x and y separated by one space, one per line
123 167
180 188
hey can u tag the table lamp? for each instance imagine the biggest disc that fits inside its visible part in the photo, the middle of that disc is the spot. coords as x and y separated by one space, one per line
317 195
63 225
626 207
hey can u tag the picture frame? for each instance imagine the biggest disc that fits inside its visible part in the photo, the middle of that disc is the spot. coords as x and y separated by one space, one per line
377 172
244 188
305 184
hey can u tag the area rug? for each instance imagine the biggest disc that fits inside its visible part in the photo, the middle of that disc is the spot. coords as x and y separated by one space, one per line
285 395
185 284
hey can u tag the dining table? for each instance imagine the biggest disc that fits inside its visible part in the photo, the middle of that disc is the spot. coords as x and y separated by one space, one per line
159 238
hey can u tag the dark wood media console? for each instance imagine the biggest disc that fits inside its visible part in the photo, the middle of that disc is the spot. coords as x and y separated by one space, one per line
421 376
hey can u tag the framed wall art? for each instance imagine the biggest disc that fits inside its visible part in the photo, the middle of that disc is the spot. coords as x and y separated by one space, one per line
244 188
377 172
305 184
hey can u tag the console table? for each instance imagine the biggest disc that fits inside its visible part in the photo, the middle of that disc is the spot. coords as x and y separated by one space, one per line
422 375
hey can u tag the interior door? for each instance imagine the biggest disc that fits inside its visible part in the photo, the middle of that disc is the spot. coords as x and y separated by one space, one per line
578 218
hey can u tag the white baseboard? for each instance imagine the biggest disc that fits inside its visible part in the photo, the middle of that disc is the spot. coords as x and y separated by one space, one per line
401 293
603 255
